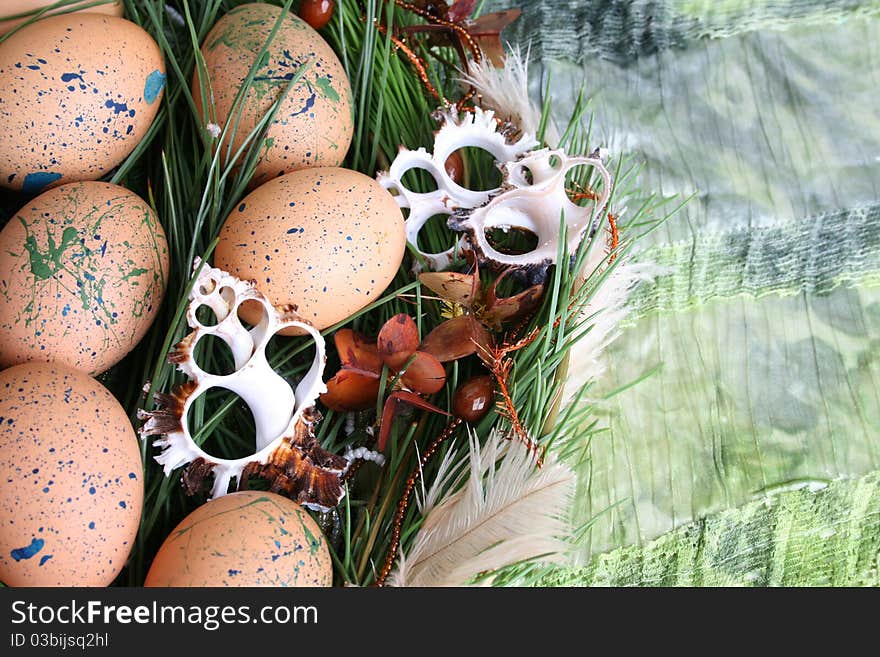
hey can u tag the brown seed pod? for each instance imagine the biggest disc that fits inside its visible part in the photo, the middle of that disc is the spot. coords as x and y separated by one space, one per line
398 340
425 374
473 398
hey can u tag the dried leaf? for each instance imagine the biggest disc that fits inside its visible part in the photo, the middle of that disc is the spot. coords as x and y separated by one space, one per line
351 390
494 23
459 10
513 308
391 405
356 351
439 8
425 374
463 289
398 340
486 31
456 338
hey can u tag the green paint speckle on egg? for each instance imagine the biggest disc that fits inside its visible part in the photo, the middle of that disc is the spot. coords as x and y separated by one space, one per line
327 89
313 541
53 254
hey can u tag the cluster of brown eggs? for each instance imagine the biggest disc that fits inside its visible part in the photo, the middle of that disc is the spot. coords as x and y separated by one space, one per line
84 265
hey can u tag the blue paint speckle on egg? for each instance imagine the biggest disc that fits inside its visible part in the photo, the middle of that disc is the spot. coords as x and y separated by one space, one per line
117 108
153 86
45 558
310 102
28 551
35 182
122 504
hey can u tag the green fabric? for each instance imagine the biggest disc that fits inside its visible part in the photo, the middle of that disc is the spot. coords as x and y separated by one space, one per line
762 330
625 30
813 255
748 394
792 538
763 129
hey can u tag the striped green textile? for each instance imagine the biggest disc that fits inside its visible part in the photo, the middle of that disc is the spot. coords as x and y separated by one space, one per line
624 30
813 255
792 538
762 332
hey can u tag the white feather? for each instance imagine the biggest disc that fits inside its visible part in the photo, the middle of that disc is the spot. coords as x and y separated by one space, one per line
448 468
506 91
507 511
608 308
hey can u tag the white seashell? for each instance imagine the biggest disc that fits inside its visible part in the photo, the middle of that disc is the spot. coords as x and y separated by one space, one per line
281 414
478 129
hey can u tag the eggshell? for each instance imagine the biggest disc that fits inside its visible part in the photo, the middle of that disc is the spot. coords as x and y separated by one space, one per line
314 124
249 538
326 240
80 91
72 488
13 7
84 270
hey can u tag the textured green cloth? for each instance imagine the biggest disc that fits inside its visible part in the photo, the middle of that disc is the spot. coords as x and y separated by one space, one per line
762 331
625 30
793 538
747 395
813 255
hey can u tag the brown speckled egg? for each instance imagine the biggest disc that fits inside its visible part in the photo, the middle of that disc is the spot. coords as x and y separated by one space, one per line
70 502
250 538
14 7
79 93
326 240
84 270
314 124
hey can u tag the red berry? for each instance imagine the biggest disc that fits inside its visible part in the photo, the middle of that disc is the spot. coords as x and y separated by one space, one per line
473 399
316 13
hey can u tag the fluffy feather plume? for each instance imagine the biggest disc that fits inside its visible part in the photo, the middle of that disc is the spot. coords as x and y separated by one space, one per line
506 91
507 511
608 308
